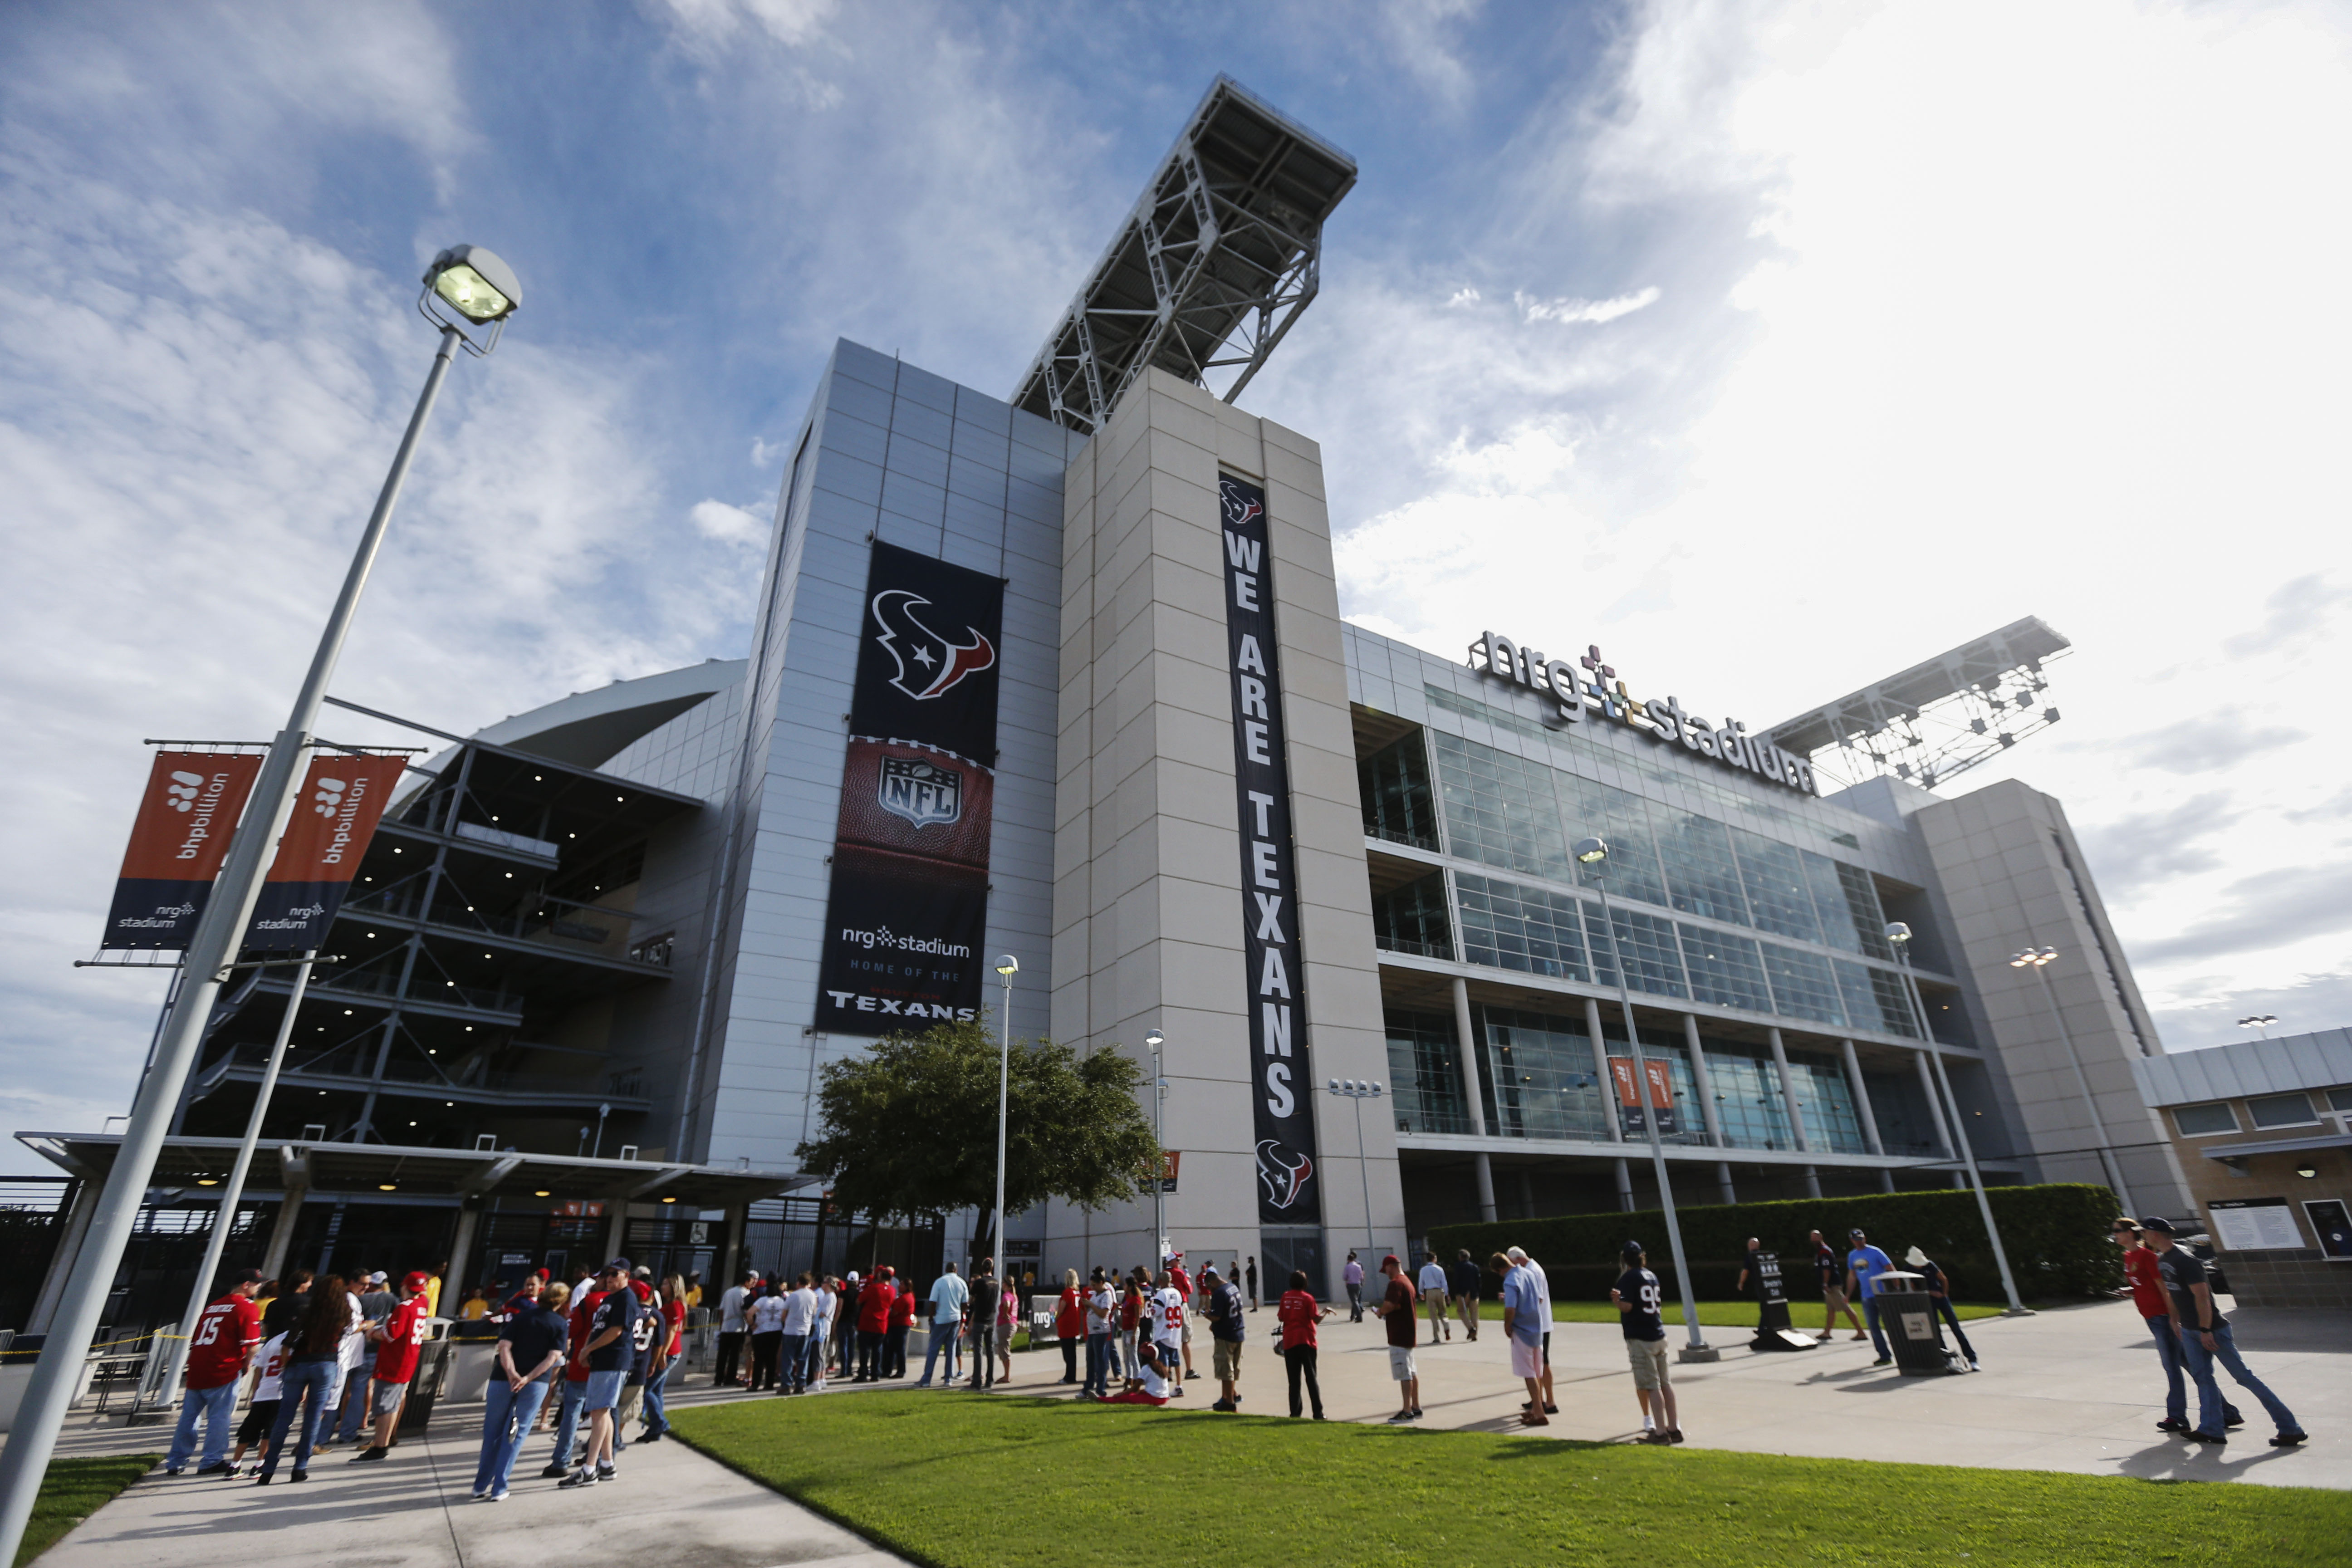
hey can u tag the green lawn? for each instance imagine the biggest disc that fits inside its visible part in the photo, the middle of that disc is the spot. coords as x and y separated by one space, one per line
71 1491
1711 1314
998 1483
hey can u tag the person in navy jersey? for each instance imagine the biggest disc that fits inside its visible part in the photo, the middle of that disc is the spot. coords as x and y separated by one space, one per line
610 1351
2205 1341
1864 1265
530 1356
1637 1295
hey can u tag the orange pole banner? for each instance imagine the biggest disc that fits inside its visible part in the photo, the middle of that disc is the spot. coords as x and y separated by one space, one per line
343 799
178 841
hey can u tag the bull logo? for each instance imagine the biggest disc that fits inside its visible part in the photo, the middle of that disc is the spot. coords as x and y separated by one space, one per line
925 793
1284 1171
929 665
1239 510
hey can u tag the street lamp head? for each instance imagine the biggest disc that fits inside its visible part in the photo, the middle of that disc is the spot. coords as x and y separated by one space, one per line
1898 932
1591 851
1335 1085
473 286
1154 1040
1375 1088
1008 967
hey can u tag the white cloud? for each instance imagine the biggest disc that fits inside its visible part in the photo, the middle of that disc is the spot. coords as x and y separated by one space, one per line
728 524
1572 312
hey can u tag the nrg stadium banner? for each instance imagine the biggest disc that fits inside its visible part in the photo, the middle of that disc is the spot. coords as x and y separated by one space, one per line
342 800
908 913
178 841
1277 1005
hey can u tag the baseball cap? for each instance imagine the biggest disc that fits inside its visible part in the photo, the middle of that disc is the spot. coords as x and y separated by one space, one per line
2156 1221
1391 1262
416 1280
249 1276
1211 1272
1631 1250
376 1278
618 1266
1855 1235
644 1272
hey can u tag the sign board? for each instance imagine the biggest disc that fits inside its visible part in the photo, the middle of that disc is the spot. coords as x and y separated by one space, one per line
2331 1220
178 841
1629 1104
1169 1160
1023 1248
579 1209
2254 1224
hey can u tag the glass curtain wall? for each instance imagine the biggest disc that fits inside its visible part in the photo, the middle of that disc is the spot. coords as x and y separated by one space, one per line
1425 1073
1412 918
1394 785
1539 1080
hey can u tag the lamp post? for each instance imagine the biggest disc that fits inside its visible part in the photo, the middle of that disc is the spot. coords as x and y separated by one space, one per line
1154 1040
1594 854
2262 1021
1008 967
1899 936
2038 959
466 290
1348 1088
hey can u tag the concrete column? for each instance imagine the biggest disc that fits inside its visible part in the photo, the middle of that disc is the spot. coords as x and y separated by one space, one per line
1935 1105
1527 1194
461 1254
1862 1113
731 1258
1723 1181
61 1262
1698 1082
1473 1073
1624 1187
281 1236
1789 1094
1812 1182
616 1231
1609 1116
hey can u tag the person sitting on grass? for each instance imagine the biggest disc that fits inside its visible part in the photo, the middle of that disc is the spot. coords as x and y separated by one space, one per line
1156 1368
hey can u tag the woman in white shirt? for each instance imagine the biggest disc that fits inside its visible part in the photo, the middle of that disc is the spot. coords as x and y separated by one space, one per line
825 1302
767 1319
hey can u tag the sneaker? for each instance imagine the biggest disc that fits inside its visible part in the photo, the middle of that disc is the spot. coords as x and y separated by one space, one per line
1400 1417
1674 1434
481 1492
2215 1439
580 1477
2229 1418
553 1473
1221 1405
300 1475
2170 1424
1883 1360
500 1495
607 1473
1551 1409
170 1470
230 1472
651 1438
370 1455
2289 1439
221 1468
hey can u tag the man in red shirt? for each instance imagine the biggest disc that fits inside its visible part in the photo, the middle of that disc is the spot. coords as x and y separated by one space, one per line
224 1340
2156 1308
874 1303
400 1341
902 1322
574 1392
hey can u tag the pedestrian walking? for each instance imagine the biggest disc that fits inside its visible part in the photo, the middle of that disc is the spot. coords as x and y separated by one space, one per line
1939 1292
1070 1324
1465 1284
1831 1271
400 1341
1524 1322
2155 1308
1432 1282
948 1294
1165 1310
2206 1341
610 1351
531 1355
1228 1327
732 1330
318 1341
1864 1265
1395 1308
224 1338
1102 1334
987 1296
646 1336
1637 1295
1251 1272
1297 1314
1351 1275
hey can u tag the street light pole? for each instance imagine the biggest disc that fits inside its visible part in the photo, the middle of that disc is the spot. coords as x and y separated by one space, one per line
1007 966
1899 935
2037 959
482 292
1349 1089
1594 853
1159 1136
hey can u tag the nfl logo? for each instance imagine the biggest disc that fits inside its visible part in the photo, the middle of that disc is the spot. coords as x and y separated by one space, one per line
925 793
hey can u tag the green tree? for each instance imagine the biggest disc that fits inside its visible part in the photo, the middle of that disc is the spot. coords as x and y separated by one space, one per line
910 1126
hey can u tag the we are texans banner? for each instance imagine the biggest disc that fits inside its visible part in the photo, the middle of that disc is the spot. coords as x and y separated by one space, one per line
178 841
343 799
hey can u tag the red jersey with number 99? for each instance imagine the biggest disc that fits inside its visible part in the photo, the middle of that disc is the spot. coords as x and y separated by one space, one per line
403 1337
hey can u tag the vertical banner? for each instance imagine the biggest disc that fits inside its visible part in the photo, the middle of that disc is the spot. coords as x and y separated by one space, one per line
177 844
908 906
1277 995
1629 1104
343 797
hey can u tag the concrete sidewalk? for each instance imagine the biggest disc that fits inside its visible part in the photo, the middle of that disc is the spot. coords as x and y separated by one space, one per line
416 1510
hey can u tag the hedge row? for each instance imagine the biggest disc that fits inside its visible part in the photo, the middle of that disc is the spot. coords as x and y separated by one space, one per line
2056 1236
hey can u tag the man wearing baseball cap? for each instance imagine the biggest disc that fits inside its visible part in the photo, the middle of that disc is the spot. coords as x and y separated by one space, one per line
226 1334
609 1349
399 1341
1864 1265
1637 1295
1395 1308
2205 1340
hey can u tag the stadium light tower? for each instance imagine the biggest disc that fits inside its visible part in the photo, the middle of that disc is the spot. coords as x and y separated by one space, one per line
468 291
1593 854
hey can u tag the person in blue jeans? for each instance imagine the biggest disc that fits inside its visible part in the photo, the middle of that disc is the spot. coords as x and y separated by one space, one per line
948 1296
1864 1265
531 1354
316 1343
2205 1339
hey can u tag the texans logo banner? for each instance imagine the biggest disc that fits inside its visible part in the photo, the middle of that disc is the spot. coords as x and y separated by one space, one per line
343 799
908 914
177 844
1282 1097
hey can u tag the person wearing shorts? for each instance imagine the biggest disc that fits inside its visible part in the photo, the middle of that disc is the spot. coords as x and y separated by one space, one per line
1396 1314
1831 1270
1226 1331
1637 1295
1523 1325
610 1351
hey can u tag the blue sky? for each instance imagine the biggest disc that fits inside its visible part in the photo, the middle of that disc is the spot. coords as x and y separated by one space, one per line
1773 347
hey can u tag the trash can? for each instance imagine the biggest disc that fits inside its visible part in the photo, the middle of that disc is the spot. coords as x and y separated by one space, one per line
1906 1314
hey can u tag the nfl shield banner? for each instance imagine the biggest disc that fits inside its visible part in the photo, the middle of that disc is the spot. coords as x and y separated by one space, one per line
907 920
177 844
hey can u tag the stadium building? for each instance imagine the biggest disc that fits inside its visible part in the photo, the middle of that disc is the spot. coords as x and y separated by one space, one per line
1064 675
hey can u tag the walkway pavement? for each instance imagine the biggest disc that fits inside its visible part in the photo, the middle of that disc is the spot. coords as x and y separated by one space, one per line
2076 1389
